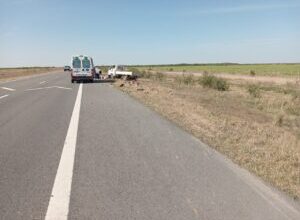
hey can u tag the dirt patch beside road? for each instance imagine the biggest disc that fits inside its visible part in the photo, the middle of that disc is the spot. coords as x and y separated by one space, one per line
256 125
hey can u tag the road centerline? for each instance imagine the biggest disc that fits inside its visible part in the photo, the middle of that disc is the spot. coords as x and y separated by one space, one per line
8 89
58 207
1 97
49 87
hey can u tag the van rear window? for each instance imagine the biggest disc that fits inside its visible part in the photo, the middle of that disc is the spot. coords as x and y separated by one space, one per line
86 62
76 62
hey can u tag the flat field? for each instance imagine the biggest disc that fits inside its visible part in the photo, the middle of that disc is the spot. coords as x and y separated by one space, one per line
243 69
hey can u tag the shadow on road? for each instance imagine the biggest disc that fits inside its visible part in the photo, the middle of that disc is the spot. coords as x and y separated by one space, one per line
98 81
104 81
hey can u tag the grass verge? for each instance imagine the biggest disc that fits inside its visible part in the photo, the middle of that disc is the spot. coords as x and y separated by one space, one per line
12 73
244 69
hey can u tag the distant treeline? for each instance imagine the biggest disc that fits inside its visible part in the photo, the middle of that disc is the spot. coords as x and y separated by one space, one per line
209 64
200 64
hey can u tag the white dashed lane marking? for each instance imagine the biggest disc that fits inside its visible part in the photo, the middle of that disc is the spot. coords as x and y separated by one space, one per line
49 87
8 89
1 97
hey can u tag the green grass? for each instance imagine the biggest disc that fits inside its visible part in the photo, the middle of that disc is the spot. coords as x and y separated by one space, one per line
245 69
211 81
185 79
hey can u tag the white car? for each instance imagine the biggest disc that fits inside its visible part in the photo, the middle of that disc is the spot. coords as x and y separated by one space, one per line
83 69
118 71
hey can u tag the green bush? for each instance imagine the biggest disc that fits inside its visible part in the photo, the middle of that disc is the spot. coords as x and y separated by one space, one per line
211 81
188 79
207 80
221 85
254 90
252 73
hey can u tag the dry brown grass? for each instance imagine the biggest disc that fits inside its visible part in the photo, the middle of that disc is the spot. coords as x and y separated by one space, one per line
261 133
11 73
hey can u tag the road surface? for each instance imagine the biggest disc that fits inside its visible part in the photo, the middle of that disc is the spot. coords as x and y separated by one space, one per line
89 151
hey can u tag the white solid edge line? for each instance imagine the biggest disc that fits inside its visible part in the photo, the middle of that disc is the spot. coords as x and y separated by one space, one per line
58 207
9 89
1 97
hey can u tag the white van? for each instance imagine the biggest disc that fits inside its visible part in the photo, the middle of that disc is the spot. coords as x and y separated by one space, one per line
83 69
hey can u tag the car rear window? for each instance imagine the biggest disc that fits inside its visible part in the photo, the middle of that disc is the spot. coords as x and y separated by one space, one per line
121 68
76 62
86 62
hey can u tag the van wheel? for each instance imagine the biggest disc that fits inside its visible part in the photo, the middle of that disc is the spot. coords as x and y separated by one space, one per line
72 80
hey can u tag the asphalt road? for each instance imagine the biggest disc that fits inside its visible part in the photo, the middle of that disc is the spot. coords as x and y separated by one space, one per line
89 151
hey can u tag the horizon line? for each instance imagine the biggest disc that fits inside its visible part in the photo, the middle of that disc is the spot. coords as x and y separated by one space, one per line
166 64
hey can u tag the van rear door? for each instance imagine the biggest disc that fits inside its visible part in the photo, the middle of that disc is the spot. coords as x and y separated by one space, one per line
76 66
86 66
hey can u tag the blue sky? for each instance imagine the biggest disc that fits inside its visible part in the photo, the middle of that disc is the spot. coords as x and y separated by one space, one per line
49 32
